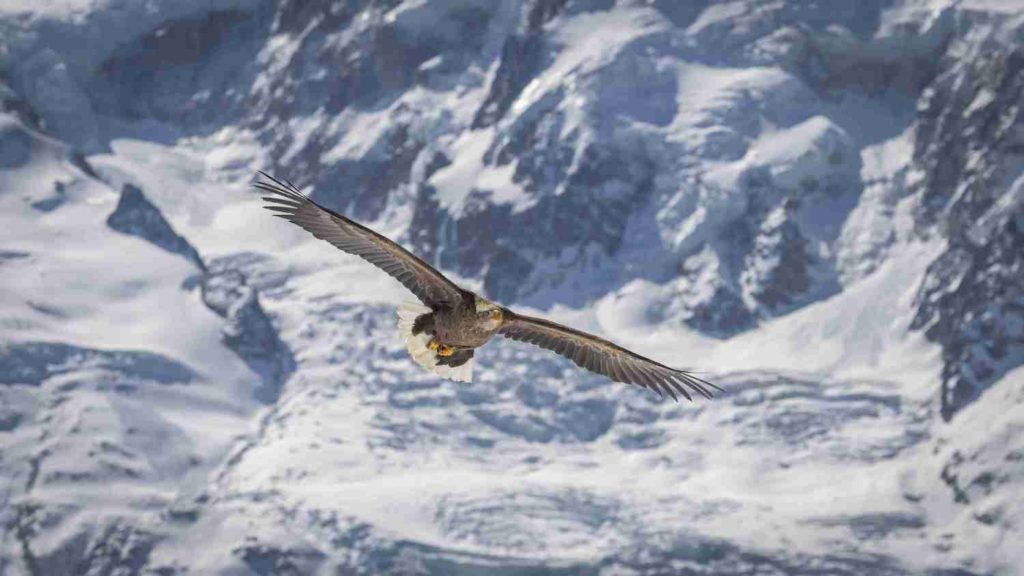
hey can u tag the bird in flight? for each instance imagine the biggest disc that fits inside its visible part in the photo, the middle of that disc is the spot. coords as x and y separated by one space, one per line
452 322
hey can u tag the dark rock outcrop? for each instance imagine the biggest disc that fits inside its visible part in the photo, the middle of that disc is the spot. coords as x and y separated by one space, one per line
248 329
15 141
135 215
520 60
777 267
970 148
31 363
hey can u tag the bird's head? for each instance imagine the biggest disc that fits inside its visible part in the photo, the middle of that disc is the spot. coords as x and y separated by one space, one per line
489 313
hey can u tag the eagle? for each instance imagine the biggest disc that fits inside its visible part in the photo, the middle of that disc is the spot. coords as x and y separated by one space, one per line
449 323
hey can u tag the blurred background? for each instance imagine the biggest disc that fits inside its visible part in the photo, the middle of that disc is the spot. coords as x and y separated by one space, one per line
819 205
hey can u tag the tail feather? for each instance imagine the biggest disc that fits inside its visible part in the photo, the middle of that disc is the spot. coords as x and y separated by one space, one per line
417 344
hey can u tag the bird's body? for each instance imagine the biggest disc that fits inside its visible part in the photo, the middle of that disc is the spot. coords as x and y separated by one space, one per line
443 340
452 322
469 324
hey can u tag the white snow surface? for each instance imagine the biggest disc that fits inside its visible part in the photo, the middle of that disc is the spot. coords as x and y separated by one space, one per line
824 455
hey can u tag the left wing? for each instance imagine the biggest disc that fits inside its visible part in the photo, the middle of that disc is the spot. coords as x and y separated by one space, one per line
603 357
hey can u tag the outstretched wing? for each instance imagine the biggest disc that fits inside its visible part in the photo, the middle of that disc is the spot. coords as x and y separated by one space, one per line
429 285
603 357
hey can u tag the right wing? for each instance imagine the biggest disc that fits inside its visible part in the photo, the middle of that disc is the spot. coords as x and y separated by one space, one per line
429 285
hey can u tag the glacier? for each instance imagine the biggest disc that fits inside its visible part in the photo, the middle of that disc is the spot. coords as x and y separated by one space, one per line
820 206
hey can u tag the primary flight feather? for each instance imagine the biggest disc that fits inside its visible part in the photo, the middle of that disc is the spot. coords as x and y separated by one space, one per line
442 334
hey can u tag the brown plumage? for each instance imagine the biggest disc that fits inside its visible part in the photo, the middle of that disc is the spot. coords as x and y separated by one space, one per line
442 335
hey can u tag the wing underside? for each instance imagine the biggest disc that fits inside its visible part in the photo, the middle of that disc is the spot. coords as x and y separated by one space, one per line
603 357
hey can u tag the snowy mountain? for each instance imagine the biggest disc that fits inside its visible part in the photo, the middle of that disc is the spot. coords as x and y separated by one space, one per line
819 204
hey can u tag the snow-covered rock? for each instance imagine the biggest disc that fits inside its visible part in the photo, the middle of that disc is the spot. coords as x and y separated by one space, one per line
969 158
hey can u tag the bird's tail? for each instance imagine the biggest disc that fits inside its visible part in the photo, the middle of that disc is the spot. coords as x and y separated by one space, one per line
417 341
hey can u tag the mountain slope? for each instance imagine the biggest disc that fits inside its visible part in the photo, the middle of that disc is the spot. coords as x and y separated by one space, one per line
819 205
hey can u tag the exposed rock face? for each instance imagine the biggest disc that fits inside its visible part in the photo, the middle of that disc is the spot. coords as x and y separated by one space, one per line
776 270
248 330
15 143
32 363
351 58
15 115
198 62
520 61
11 102
970 153
137 216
